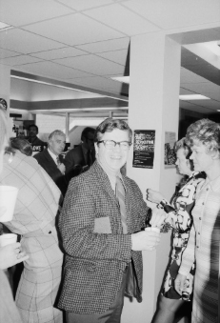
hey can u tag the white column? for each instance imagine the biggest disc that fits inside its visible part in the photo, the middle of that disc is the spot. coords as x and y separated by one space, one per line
5 83
5 86
153 105
67 125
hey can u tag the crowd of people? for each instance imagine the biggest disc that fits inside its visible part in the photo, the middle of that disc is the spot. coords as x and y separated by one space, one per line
82 227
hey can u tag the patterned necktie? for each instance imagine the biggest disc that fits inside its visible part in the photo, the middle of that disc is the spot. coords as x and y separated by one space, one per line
58 161
120 194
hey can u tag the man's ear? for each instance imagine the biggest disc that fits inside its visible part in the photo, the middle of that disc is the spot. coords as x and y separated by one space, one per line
96 148
49 142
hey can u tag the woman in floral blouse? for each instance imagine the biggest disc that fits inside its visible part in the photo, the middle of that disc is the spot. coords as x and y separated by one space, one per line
178 217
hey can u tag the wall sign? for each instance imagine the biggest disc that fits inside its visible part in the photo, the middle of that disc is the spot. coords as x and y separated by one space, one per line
143 153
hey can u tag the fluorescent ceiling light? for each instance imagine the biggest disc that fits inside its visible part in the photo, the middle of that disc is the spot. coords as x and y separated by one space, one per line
47 83
66 87
122 79
79 110
4 26
189 97
213 47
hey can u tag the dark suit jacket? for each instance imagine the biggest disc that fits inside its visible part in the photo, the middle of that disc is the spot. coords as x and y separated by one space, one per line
97 251
76 162
47 162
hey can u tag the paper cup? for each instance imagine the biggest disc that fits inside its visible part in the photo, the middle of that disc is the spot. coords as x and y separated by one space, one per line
155 229
7 238
8 196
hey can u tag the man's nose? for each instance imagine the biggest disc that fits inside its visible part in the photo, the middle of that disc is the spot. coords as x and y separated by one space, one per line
117 146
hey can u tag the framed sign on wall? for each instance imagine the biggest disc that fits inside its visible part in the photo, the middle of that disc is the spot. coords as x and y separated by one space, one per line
143 149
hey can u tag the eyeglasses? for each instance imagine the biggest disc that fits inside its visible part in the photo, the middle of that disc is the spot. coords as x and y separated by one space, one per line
110 144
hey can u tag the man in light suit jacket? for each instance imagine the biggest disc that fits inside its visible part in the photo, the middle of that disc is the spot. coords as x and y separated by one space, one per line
52 160
100 225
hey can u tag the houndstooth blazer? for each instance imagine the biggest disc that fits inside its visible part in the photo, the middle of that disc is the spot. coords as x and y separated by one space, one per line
95 262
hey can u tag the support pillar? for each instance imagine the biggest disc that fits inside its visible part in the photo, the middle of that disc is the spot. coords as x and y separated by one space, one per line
5 87
153 105
67 126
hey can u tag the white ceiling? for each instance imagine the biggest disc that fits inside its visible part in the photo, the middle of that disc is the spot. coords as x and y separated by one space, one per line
83 43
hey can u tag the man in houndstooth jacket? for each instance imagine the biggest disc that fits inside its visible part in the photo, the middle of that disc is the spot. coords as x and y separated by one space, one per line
100 249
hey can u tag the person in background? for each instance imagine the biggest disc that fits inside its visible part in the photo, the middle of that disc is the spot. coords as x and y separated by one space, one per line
51 159
80 158
203 246
100 226
34 219
37 144
178 215
10 255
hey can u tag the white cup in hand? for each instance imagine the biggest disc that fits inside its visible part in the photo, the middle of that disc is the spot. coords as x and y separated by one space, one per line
7 238
155 229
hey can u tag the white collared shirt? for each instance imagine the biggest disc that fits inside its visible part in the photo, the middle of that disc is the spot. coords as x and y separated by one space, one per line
54 157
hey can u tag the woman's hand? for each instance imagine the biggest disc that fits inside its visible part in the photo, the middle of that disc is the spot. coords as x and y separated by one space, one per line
180 283
157 218
153 196
11 255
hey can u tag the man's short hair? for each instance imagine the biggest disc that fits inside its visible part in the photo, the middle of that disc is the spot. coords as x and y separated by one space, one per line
108 125
86 131
32 125
56 133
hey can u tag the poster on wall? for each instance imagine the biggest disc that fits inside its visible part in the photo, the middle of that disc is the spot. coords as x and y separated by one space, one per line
143 151
169 153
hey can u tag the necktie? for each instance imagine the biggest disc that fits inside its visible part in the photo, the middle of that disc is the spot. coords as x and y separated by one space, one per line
58 161
120 194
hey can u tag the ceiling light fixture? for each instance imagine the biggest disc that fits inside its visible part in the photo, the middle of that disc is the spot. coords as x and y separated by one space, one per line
46 83
4 26
213 47
66 87
122 79
80 110
189 97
